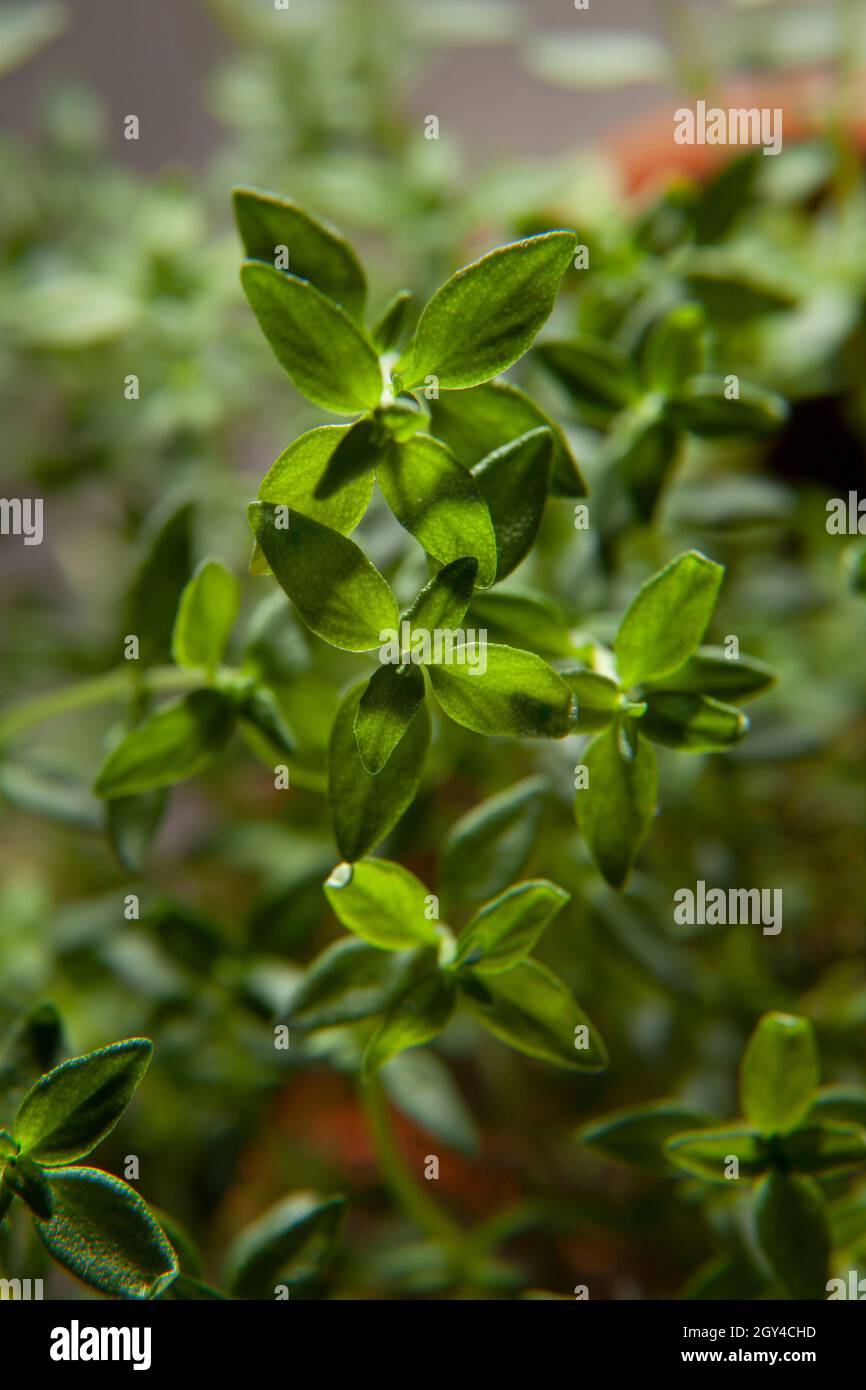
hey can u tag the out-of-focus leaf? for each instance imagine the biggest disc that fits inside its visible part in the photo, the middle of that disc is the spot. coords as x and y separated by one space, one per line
637 1136
530 1009
292 1244
177 741
779 1073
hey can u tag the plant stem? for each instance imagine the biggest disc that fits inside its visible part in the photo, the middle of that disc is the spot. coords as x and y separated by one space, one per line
115 685
411 1195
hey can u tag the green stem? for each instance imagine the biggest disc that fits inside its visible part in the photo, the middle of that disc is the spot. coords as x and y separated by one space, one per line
115 685
416 1203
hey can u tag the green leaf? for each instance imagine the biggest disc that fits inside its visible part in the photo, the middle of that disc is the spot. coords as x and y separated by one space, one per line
30 1048
516 696
599 379
530 1009
476 423
205 617
666 620
443 602
843 1103
523 618
779 1073
264 728
103 1233
27 1181
314 340
514 482
389 329
644 452
404 417
317 252
352 980
438 502
637 1136
486 316
791 1223
598 698
177 741
131 823
711 672
695 722
355 457
296 477
383 903
72 1109
292 1244
150 607
505 930
616 809
702 408
387 708
421 1085
489 846
705 1153
339 594
365 808
417 1015
675 349
827 1150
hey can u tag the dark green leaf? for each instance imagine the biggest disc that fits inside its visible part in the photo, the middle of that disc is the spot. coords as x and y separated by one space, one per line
675 349
600 380
265 729
488 847
486 316
827 1150
71 1109
666 620
505 930
292 1244
352 980
27 1180
131 823
532 1010
314 340
702 408
177 741
317 252
387 708
637 1136
31 1048
643 453
389 329
706 1153
339 594
711 672
521 618
417 1015
779 1073
844 1103
514 482
151 603
354 458
442 603
205 617
383 903
365 808
516 695
438 501
476 423
103 1233
696 722
791 1221
616 809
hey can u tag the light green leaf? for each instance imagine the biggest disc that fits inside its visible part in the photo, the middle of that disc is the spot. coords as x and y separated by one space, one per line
314 340
490 845
383 903
779 1073
365 808
666 620
616 809
103 1233
352 980
675 349
438 501
131 823
637 1135
516 696
205 617
72 1108
442 604
418 1015
339 594
505 930
477 422
26 28
705 1153
702 408
486 316
177 741
514 482
317 252
292 1244
599 379
530 1009
694 722
791 1222
598 698
387 708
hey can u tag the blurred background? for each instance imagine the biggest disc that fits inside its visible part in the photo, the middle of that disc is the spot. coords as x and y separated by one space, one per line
118 257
